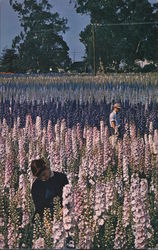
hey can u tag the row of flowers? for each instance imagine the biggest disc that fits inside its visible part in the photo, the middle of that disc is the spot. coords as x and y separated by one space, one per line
111 200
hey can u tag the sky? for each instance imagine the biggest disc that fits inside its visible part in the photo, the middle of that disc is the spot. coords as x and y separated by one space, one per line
10 26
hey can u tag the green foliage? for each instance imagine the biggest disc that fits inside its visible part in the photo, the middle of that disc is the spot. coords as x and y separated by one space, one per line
8 60
110 226
47 228
38 230
99 238
57 207
126 43
40 45
129 237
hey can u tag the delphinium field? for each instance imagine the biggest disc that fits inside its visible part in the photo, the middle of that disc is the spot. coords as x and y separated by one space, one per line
111 200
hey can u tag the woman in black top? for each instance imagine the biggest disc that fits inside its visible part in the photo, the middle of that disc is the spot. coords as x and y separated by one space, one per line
47 186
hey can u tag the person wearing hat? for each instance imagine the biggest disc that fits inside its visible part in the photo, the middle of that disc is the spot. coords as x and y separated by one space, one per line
114 121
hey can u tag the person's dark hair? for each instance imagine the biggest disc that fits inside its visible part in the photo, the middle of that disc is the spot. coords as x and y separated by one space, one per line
37 166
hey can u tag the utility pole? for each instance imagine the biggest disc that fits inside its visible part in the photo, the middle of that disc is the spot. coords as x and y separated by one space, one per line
94 51
74 56
0 26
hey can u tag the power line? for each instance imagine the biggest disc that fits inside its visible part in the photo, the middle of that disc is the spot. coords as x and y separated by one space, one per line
111 24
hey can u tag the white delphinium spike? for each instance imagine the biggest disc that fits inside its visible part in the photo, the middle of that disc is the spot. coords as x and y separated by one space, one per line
57 132
58 234
110 186
74 143
92 169
68 145
38 126
68 210
102 130
155 142
108 151
9 164
2 160
22 153
147 165
18 121
49 131
89 141
144 196
5 128
99 207
126 209
15 132
151 135
79 135
39 243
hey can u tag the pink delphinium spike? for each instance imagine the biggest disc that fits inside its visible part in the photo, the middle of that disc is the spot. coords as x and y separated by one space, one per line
2 243
49 131
144 197
99 207
62 129
57 132
2 158
62 156
137 208
141 152
57 157
74 143
68 210
4 128
108 152
96 137
120 154
11 236
58 234
52 155
23 189
38 126
132 131
18 121
89 141
126 209
68 145
147 164
120 234
39 243
102 129
151 135
9 165
78 202
15 132
92 169
79 135
125 168
139 219
22 154
83 229
100 163
155 142
85 132
109 194
135 157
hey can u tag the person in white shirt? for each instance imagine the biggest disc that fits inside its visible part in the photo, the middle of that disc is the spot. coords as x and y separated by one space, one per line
114 121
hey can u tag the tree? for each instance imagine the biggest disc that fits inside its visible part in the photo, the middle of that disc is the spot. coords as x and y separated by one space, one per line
122 42
8 60
40 45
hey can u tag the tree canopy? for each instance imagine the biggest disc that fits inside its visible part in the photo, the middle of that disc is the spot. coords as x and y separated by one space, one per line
40 45
120 43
